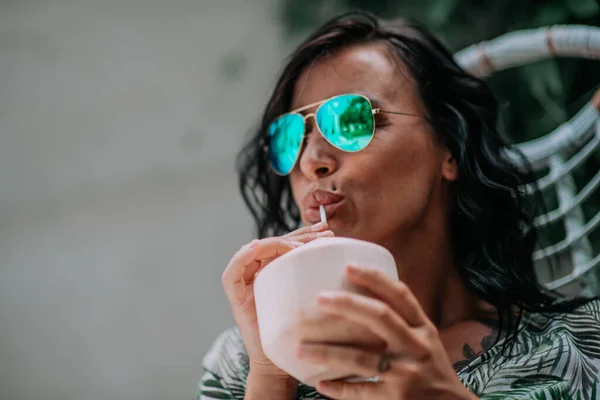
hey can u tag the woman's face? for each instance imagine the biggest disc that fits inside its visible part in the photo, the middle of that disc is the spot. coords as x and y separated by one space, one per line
395 186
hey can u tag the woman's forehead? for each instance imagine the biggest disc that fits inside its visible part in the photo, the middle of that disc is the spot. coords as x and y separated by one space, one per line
367 69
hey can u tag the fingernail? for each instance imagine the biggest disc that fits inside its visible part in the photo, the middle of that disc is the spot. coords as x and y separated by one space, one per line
253 244
357 269
354 269
323 385
319 225
326 297
325 234
302 351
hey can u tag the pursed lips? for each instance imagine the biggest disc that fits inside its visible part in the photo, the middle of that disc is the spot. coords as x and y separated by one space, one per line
312 201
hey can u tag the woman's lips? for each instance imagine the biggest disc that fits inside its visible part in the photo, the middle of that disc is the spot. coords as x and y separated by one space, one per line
313 214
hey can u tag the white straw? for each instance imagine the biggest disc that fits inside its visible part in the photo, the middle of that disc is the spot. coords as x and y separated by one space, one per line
323 213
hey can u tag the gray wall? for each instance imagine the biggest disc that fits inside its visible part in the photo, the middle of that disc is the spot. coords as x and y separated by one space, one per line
119 122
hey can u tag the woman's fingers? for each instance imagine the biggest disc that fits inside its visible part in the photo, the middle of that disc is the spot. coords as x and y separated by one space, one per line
310 236
352 361
393 292
247 261
310 233
305 234
346 360
352 391
320 226
258 253
376 316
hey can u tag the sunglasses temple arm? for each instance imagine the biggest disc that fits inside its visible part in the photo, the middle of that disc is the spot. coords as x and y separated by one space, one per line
379 110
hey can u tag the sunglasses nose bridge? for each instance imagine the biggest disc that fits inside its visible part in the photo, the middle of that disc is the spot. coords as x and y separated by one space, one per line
309 115
307 127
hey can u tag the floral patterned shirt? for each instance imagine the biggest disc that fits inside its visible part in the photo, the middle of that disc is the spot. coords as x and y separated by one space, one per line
551 358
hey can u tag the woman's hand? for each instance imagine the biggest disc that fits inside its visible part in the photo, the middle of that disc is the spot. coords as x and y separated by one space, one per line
414 365
238 281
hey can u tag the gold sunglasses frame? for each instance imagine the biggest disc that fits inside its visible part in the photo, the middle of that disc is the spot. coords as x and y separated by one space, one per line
298 111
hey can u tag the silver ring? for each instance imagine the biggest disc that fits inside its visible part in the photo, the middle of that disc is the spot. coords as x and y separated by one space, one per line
385 363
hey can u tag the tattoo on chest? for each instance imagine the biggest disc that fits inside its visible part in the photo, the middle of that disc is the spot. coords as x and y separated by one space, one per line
470 354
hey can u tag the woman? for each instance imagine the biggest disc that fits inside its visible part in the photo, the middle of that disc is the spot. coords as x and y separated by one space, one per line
374 120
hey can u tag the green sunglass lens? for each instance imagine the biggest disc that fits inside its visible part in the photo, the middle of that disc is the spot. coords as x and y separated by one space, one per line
285 142
347 122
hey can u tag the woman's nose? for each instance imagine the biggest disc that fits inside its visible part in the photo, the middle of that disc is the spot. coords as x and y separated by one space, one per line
318 158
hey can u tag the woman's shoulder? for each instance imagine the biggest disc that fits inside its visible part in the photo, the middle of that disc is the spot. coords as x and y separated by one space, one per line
559 353
225 368
591 310
579 321
227 350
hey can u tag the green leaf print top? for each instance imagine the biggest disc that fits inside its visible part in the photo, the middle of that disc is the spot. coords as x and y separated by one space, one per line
551 358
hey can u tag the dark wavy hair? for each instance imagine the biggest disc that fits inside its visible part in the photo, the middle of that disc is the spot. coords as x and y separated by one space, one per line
491 221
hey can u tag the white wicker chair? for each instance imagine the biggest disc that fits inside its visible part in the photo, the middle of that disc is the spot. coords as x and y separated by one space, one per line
560 151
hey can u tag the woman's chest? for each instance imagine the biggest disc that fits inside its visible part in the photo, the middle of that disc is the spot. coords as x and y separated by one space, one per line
465 341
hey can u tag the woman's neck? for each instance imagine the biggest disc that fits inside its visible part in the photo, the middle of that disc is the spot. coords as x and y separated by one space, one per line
425 263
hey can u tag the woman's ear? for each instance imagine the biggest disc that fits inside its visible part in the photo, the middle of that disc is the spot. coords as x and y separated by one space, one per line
449 166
